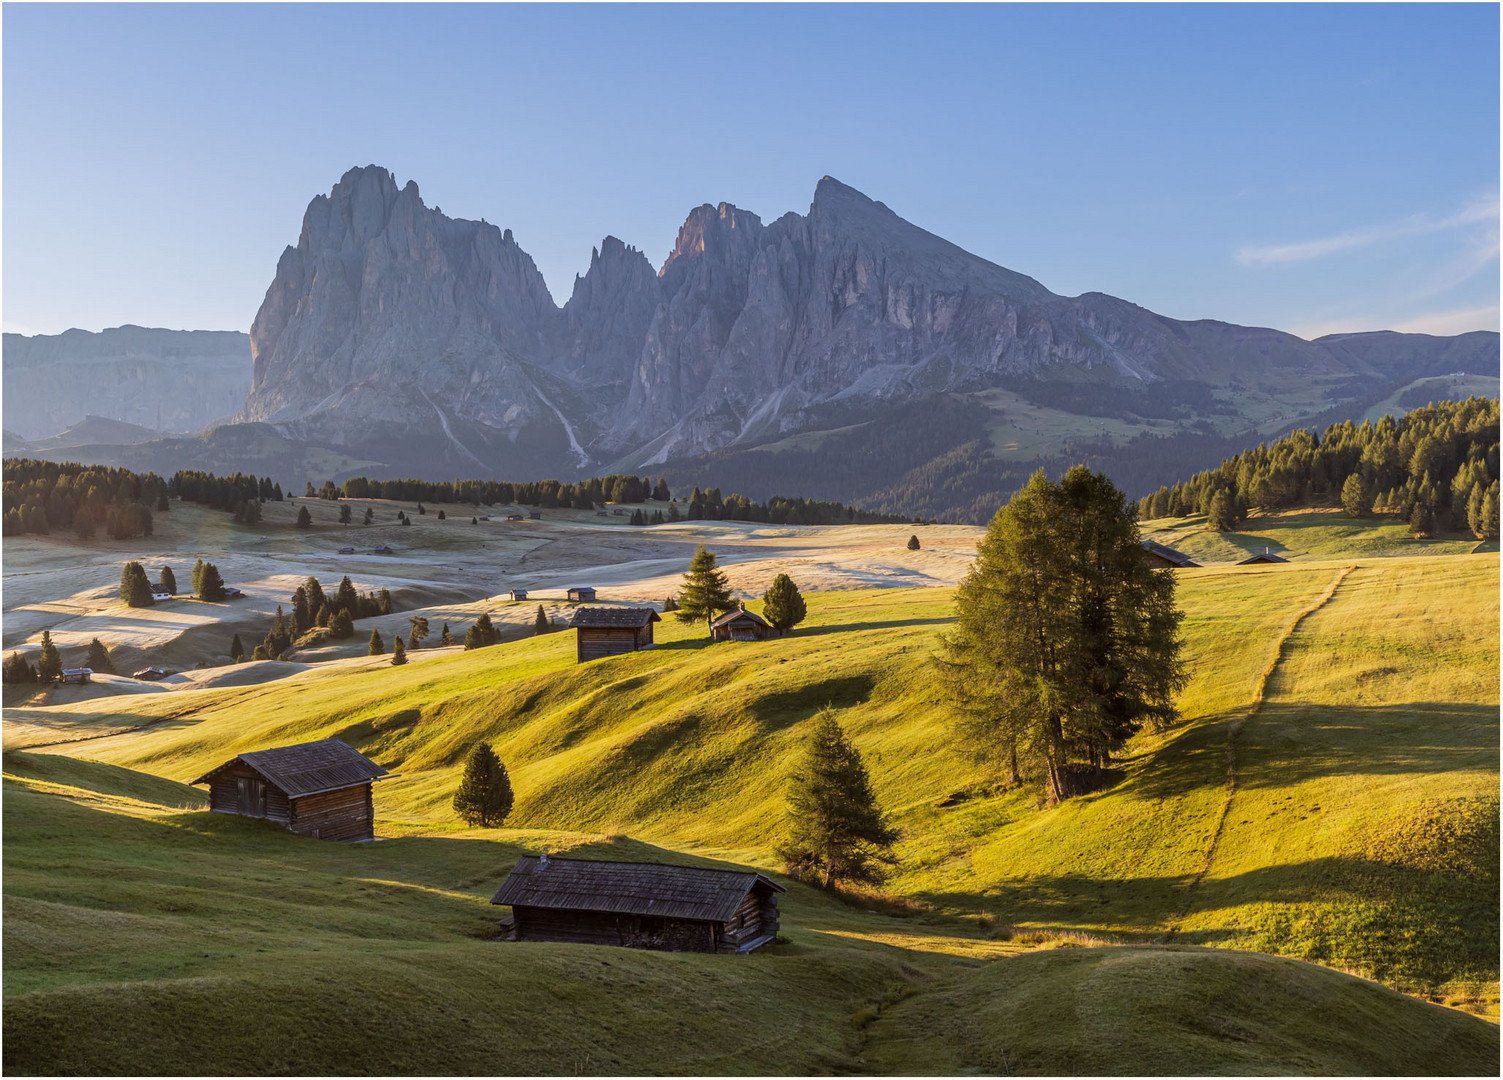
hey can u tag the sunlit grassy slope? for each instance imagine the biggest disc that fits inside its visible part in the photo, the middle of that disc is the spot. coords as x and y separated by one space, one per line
1331 795
1323 532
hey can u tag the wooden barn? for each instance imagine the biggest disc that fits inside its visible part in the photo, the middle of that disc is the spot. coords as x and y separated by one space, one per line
611 631
518 594
640 905
1161 557
740 625
581 594
321 789
1264 556
77 676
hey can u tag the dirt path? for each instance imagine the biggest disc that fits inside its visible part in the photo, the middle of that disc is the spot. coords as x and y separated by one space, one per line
1233 732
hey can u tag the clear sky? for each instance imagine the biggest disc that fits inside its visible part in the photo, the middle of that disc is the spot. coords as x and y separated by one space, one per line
1309 167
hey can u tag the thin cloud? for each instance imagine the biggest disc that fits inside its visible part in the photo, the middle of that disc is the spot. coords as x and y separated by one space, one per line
1482 211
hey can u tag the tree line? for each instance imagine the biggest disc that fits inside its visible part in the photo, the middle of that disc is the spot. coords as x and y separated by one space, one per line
42 497
1435 468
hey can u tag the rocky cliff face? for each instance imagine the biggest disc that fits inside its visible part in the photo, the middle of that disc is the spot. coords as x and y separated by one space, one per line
165 380
390 321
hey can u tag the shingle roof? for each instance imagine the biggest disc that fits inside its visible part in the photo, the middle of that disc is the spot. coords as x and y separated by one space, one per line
308 768
740 613
1261 557
678 892
632 617
1178 558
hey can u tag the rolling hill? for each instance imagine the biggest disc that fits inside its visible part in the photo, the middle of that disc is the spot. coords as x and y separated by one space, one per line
1330 796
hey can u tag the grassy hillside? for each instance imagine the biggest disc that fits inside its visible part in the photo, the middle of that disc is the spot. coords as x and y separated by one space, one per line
1331 795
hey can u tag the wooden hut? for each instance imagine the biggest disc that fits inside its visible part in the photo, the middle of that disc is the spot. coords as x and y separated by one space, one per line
640 905
1161 557
581 594
77 676
740 625
149 674
535 515
519 594
321 789
611 631
1265 556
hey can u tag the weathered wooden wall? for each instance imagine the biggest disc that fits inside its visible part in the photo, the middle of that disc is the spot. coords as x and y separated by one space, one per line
609 928
596 642
346 814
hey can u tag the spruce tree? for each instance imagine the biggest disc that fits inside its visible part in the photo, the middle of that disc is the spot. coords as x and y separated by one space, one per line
913 542
670 604
346 515
705 592
483 633
1222 514
783 605
377 647
210 584
1355 496
237 650
484 796
540 625
17 671
341 626
1421 521
198 573
304 519
398 653
99 658
836 831
135 589
370 516
419 631
446 638
49 663
169 580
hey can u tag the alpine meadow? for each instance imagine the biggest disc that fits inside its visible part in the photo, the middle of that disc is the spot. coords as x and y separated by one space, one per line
800 644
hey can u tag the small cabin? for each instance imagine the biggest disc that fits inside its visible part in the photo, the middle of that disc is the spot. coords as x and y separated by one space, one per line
233 594
346 551
514 517
602 513
740 625
640 905
77 676
619 512
320 789
535 515
382 550
149 674
1166 558
1265 556
581 595
518 594
611 631
160 593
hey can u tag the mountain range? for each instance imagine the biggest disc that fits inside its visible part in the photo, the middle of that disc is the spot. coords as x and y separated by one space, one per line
844 350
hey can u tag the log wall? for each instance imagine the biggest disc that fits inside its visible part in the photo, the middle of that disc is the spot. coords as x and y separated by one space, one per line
597 642
346 814
609 928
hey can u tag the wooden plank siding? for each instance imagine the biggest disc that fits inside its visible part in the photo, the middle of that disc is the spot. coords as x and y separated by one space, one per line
595 643
346 814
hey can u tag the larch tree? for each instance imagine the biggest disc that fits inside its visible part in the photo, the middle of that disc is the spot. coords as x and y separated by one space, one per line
484 796
541 625
377 646
398 653
99 658
49 663
783 605
836 831
1066 642
705 592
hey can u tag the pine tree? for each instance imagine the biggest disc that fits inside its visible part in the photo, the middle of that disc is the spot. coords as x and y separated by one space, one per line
913 542
705 591
836 831
378 647
422 509
1421 521
398 653
783 605
17 671
483 633
370 516
135 590
341 626
83 523
670 604
1222 514
198 574
169 580
446 638
442 516
49 663
210 584
304 519
540 625
484 796
1355 496
419 631
99 658
346 515
237 650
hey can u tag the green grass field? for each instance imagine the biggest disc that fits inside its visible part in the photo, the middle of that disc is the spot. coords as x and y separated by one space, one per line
1330 796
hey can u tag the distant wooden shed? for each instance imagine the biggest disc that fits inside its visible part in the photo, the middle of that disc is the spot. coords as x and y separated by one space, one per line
1162 557
640 905
581 594
321 789
519 594
77 676
611 631
1265 556
535 515
740 625
149 674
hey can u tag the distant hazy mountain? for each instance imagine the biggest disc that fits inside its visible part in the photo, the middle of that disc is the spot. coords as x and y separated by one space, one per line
843 353
164 380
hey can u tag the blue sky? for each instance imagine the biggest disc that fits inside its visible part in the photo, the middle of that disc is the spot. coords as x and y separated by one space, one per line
1309 167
